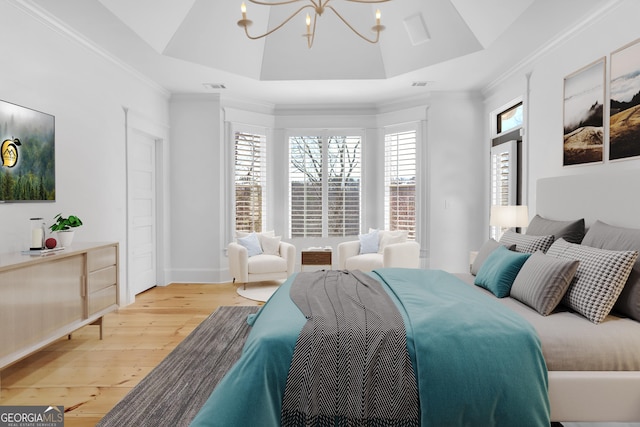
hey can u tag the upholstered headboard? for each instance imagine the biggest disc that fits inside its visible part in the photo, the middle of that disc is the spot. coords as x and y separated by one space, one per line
612 197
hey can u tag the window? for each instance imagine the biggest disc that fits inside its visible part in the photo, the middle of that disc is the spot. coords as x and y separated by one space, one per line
510 118
400 181
504 177
250 178
506 158
324 178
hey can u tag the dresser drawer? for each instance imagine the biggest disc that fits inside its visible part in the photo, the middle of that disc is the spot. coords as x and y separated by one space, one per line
101 258
102 299
101 279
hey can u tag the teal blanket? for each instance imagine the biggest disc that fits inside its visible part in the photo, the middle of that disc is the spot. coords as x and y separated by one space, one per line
477 363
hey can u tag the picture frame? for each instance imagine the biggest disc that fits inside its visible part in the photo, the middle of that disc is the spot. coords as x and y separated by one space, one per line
583 115
27 154
624 102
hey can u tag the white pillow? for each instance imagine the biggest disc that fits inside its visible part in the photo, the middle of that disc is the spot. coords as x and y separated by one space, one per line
270 245
252 244
369 242
391 237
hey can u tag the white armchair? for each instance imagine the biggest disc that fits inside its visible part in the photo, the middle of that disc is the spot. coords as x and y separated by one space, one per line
402 255
245 269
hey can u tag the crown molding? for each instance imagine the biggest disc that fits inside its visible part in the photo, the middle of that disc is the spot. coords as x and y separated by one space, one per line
364 109
563 37
38 13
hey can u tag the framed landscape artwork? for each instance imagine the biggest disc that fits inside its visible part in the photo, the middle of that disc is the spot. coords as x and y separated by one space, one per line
27 170
624 116
583 120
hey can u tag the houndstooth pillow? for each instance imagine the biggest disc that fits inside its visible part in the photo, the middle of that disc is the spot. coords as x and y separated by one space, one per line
526 243
599 279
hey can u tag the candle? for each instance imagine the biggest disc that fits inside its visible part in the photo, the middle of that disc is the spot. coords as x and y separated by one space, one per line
378 17
308 20
37 234
243 9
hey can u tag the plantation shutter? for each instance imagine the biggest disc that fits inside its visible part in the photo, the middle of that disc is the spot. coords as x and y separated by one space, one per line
503 178
250 180
344 186
400 182
325 182
305 178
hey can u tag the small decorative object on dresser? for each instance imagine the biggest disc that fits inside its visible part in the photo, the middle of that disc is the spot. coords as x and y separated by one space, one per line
64 227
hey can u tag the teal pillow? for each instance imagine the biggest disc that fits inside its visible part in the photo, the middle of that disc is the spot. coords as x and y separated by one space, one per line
499 270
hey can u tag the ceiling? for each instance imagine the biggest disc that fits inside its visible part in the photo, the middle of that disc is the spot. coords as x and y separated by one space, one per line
183 45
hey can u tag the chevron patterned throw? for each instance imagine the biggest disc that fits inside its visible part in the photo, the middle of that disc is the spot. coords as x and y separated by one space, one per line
350 365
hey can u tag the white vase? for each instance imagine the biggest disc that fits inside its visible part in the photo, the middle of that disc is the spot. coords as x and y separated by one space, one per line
65 237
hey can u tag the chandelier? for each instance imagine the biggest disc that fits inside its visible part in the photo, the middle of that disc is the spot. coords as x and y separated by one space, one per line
318 6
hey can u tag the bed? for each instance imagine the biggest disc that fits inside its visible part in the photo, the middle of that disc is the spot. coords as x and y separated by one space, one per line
610 197
580 388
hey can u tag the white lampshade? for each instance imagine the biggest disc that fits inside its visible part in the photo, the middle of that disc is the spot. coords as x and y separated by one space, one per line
509 216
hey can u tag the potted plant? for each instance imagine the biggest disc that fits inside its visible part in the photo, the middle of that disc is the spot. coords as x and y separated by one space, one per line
65 228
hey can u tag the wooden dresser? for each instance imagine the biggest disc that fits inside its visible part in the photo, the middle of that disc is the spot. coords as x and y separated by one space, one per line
44 298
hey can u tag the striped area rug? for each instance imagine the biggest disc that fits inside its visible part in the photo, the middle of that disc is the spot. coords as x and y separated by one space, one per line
173 392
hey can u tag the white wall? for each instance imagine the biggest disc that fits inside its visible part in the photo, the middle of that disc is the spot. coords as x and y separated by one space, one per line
458 158
599 35
46 70
451 128
197 193
86 91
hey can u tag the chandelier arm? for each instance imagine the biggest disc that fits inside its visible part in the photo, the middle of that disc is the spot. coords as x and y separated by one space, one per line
372 41
246 31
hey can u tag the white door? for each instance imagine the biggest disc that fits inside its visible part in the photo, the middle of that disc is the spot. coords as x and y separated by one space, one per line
142 236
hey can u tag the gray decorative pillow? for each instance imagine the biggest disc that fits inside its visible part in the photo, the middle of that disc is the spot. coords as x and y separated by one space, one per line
571 231
488 247
526 243
605 236
543 281
599 279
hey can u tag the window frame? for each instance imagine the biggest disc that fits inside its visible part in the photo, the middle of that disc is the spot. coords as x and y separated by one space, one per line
515 135
397 130
264 166
499 122
324 135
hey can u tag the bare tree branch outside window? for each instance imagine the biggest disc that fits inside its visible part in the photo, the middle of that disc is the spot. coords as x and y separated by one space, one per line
309 156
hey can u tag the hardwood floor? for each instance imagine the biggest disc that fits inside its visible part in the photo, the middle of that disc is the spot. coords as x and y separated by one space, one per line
89 376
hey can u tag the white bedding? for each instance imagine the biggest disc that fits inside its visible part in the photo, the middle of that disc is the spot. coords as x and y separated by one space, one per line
570 342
